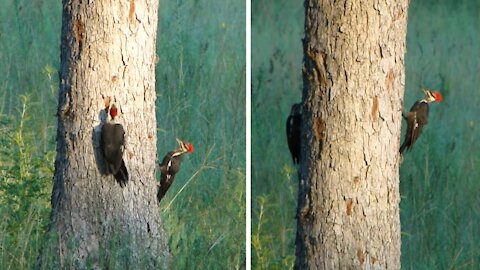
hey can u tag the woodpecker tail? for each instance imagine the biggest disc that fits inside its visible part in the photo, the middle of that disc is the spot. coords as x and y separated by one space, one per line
122 175
160 194
162 190
165 183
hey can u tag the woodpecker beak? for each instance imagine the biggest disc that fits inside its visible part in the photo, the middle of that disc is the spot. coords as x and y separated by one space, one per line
107 102
180 143
428 93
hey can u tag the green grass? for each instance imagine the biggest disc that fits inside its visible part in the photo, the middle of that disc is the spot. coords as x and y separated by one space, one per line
200 86
440 211
200 97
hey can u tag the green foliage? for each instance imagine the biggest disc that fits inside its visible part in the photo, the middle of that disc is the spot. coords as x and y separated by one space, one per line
271 251
25 185
200 98
438 179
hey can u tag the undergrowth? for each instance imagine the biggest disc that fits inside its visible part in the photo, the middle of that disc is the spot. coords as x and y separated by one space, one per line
24 190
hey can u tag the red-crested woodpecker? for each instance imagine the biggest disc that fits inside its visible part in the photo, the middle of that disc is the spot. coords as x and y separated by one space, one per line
170 167
112 145
294 126
417 118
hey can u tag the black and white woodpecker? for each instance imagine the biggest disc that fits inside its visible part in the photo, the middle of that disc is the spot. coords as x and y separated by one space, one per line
170 167
294 127
112 145
417 118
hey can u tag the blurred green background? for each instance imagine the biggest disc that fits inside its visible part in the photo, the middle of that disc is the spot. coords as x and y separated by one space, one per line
439 179
200 97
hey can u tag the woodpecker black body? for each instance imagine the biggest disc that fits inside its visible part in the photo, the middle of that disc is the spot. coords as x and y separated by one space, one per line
417 118
294 126
112 145
170 167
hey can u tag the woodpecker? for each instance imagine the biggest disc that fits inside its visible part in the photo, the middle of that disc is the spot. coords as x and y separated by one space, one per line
417 118
294 125
171 165
112 145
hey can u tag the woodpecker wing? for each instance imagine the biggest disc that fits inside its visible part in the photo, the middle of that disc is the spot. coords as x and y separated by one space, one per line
166 181
417 118
166 165
113 138
113 142
169 168
420 111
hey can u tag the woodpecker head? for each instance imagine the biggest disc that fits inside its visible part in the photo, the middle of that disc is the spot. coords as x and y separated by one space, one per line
432 96
185 147
113 111
296 109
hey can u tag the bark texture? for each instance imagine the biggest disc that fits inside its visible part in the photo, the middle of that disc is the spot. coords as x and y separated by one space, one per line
107 49
348 204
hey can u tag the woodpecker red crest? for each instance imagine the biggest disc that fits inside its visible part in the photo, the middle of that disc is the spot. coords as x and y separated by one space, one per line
438 96
171 165
113 111
190 148
417 118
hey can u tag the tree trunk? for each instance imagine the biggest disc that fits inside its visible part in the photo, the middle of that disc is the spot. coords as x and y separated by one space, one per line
348 204
107 50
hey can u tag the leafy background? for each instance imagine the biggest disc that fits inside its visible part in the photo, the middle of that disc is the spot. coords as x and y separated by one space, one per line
200 97
439 179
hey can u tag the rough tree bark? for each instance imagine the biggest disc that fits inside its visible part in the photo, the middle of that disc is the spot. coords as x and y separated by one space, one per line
348 204
107 50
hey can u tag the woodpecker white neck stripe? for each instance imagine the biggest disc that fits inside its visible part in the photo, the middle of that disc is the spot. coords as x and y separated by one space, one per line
177 154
